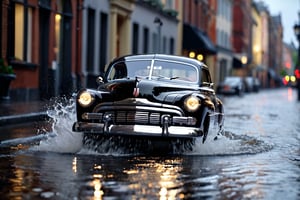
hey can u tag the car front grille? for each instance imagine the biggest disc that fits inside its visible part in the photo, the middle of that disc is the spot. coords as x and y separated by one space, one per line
128 117
143 112
138 117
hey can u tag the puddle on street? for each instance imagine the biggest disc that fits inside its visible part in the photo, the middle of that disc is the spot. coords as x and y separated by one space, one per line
240 164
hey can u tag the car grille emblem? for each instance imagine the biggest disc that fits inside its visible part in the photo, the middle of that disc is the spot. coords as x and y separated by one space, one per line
136 92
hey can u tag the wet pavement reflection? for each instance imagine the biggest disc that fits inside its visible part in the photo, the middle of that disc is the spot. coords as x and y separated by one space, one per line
258 157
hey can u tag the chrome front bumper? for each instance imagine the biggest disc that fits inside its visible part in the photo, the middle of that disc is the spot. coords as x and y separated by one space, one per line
137 130
133 117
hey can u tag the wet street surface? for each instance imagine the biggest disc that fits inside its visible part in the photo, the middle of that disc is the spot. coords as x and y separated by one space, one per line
257 157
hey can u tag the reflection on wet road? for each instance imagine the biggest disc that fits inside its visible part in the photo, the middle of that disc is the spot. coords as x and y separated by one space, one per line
258 157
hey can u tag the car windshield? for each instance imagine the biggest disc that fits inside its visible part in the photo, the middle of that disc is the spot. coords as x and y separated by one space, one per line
159 69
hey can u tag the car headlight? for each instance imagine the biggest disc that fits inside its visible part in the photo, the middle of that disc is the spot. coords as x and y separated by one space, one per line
192 103
85 98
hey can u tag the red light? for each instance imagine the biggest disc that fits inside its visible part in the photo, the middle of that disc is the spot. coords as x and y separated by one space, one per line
285 82
288 65
297 73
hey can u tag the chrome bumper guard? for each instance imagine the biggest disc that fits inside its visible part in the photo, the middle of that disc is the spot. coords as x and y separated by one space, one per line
137 130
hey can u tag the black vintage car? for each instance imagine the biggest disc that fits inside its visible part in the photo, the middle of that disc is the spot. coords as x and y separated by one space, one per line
150 101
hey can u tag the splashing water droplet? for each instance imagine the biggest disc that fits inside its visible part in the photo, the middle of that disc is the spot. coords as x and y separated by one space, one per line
221 142
62 139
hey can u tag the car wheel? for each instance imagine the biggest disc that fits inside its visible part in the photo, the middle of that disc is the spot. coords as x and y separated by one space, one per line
237 91
240 92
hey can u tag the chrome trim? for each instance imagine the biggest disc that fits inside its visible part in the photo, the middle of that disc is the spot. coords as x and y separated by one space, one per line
139 117
137 108
136 104
190 121
92 116
140 130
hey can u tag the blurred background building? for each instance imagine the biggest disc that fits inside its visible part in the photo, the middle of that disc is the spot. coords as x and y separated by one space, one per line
225 52
58 47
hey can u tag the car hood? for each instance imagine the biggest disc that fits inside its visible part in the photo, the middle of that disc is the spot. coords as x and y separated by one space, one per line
161 91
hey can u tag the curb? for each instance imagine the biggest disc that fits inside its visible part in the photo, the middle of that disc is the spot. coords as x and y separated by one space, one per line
23 118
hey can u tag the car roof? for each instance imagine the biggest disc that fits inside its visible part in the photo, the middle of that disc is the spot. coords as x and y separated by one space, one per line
161 57
233 77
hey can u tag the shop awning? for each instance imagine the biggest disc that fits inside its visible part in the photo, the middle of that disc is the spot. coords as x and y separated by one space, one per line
236 63
196 40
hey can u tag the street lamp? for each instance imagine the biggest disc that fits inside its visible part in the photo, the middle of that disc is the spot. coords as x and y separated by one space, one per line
297 70
159 22
244 60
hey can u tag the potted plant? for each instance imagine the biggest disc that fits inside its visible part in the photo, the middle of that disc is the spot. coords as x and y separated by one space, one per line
6 76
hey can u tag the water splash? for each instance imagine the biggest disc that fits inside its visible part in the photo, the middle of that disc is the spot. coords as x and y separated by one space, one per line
222 143
61 138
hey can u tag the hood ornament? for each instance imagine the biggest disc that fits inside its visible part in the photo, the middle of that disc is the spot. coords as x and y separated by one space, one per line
136 90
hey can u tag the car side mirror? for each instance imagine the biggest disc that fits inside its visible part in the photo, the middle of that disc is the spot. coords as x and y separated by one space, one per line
99 80
206 84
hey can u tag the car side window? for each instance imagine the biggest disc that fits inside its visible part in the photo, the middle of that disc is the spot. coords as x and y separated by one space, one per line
118 71
129 69
205 76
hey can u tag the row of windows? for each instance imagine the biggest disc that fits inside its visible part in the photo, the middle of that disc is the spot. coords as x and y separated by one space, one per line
159 45
23 33
225 12
223 39
140 40
103 34
225 9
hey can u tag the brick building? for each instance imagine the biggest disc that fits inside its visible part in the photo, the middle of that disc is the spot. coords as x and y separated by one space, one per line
40 39
242 36
199 31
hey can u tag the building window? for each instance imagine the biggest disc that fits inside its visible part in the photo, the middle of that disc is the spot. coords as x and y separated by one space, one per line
23 33
135 39
103 41
218 37
223 69
90 40
169 4
145 40
164 44
57 37
172 41
154 42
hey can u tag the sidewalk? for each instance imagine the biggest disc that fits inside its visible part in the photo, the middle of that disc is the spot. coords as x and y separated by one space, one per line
12 112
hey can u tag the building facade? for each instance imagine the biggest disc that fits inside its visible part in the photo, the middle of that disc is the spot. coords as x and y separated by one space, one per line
262 70
275 48
259 47
242 36
57 47
40 43
224 38
199 32
287 59
115 28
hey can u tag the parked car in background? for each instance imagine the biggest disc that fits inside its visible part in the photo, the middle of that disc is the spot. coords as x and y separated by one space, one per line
232 85
153 101
252 84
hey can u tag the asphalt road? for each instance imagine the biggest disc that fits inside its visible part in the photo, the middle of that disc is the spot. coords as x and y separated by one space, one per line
258 157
